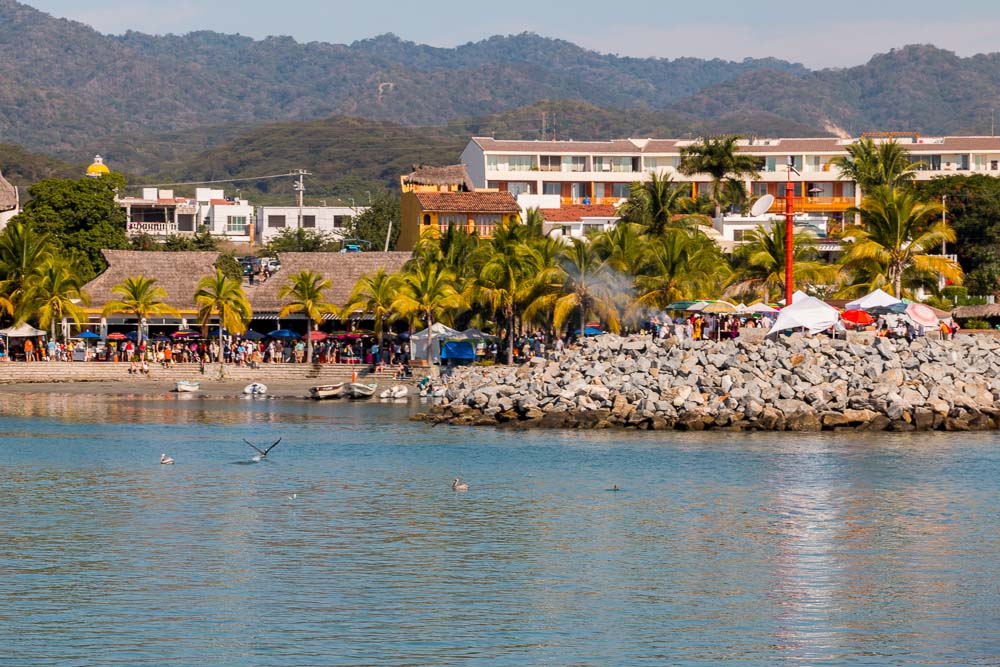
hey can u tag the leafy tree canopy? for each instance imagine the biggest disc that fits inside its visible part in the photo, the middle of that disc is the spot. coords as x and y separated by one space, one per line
301 240
373 225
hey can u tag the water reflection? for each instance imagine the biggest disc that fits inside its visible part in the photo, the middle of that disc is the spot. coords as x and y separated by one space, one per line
748 549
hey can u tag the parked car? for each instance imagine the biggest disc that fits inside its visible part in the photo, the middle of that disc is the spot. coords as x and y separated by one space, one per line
272 264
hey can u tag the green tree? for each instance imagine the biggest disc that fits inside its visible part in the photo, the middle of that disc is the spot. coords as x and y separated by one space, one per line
23 251
719 158
223 296
427 293
374 294
653 204
56 293
139 296
306 292
372 225
681 264
81 216
898 232
230 266
760 264
301 240
872 165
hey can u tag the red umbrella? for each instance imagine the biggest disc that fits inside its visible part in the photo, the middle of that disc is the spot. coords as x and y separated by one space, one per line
857 317
116 336
316 336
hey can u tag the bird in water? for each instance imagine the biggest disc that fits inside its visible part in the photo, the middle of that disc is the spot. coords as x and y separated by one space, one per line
459 485
166 460
262 452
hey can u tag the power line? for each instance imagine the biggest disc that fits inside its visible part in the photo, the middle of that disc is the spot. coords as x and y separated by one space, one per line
222 180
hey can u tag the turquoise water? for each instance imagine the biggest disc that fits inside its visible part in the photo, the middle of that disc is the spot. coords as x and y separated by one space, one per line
348 546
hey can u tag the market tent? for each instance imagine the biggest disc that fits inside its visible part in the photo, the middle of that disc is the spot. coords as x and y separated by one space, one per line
23 330
458 350
761 308
432 336
472 333
805 312
872 300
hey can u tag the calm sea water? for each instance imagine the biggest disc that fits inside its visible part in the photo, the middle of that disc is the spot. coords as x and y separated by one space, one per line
348 546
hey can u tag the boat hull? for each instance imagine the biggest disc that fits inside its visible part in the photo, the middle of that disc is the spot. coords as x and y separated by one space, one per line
361 390
325 392
185 386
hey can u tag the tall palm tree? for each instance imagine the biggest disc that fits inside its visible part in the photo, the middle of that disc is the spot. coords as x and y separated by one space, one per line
623 246
427 292
654 203
305 289
760 270
720 159
505 275
584 284
23 251
871 165
221 295
55 293
374 293
139 296
897 233
682 264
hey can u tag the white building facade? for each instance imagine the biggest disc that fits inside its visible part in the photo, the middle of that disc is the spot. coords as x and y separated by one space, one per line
332 220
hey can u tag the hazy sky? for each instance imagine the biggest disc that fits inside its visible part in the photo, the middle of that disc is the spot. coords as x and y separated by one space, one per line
820 34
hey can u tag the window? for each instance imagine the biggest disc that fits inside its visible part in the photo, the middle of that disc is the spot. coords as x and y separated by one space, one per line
994 164
457 220
185 222
551 188
236 224
927 162
652 163
848 189
341 221
427 219
574 163
962 161
771 164
550 163
309 221
758 189
520 163
620 190
742 235
814 163
519 188
492 163
274 221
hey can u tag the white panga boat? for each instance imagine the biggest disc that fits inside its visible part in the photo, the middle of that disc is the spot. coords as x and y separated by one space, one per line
255 389
326 391
187 386
395 391
361 390
434 391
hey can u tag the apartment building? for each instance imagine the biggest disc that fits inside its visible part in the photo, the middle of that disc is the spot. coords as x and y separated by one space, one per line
600 172
332 220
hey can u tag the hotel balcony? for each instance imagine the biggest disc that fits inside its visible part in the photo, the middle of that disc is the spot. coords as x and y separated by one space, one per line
814 204
572 201
134 228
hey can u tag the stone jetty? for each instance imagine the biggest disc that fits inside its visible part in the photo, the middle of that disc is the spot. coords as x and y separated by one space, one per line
795 383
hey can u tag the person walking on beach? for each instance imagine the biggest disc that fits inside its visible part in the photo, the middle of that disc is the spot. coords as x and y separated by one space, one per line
29 350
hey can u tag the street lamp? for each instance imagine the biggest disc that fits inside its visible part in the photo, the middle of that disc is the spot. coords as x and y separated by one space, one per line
789 228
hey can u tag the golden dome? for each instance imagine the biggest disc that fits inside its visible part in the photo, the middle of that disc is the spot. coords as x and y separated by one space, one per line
98 168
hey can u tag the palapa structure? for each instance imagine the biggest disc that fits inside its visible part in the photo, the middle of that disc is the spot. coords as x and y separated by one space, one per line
984 311
450 178
177 273
8 195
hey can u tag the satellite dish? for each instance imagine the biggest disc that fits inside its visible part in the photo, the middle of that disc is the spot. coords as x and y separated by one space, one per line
762 205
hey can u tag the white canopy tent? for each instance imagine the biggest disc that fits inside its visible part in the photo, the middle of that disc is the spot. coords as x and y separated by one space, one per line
872 300
23 330
805 312
432 336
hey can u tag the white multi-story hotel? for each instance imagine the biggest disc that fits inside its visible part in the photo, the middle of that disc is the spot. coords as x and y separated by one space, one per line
600 172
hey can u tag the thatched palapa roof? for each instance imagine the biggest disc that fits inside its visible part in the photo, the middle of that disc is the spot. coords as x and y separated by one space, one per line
453 174
8 195
983 311
176 272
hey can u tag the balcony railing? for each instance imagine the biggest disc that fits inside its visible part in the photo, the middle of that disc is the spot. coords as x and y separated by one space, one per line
810 204
155 228
569 201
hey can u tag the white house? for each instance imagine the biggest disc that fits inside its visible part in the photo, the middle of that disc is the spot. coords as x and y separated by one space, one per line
9 205
334 220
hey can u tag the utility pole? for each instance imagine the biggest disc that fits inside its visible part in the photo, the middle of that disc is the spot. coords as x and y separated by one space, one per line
789 229
543 126
944 247
300 187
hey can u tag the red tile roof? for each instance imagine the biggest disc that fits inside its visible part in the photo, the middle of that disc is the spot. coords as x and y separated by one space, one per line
577 213
468 202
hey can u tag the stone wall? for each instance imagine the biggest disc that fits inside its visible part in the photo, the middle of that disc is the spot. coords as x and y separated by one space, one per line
791 383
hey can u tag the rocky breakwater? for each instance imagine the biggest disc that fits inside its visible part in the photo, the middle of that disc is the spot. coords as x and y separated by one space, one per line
793 383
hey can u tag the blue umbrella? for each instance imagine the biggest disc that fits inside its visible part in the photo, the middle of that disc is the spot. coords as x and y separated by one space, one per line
282 333
590 331
90 335
253 335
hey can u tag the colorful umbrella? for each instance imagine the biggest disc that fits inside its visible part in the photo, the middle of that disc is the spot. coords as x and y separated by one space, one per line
719 307
185 333
921 315
857 317
316 336
282 333
117 336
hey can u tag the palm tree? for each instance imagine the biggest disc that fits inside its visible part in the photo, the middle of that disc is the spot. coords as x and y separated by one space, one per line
761 263
654 203
897 233
505 276
582 283
306 291
871 165
374 293
22 253
682 264
141 297
720 159
427 292
622 247
223 296
55 293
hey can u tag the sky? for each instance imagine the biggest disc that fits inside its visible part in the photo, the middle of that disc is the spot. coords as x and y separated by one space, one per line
822 34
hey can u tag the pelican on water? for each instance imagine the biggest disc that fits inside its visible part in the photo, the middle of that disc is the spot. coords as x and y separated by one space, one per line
166 460
459 485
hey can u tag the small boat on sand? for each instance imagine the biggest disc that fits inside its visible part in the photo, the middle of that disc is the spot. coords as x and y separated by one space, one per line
361 390
395 391
326 391
187 386
434 391
255 389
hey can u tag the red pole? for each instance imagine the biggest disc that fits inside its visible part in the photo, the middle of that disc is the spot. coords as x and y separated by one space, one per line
789 233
